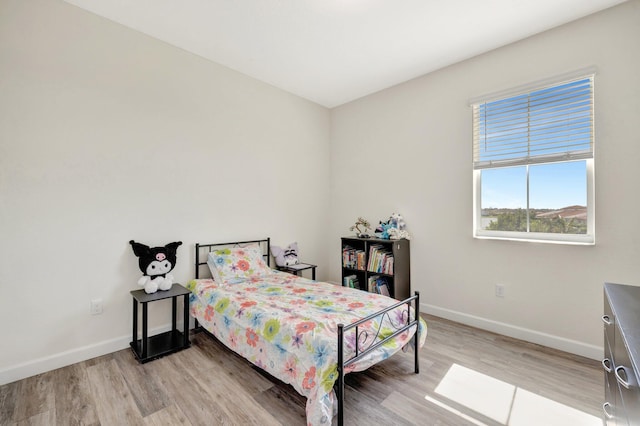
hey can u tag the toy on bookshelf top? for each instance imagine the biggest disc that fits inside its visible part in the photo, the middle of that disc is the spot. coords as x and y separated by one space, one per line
393 228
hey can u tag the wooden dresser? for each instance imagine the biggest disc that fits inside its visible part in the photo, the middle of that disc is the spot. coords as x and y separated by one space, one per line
621 355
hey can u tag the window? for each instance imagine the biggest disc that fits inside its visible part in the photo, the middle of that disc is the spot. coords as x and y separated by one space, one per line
533 164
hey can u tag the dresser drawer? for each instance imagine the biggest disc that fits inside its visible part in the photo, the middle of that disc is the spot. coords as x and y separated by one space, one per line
621 318
627 382
610 409
621 418
609 322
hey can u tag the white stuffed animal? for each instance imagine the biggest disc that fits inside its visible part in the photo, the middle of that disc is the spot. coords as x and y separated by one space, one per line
398 231
397 220
285 256
396 234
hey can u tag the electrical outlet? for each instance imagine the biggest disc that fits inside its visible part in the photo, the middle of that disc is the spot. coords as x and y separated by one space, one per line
499 290
96 307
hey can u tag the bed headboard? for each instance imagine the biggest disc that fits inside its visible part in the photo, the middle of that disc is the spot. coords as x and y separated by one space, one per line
202 250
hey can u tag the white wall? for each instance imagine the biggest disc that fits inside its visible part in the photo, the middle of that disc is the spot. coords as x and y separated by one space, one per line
408 149
107 135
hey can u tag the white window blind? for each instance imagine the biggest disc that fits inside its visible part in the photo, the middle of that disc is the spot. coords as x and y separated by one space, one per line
546 125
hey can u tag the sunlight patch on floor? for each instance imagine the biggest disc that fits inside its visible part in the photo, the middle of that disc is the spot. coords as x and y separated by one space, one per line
504 402
530 409
454 411
483 394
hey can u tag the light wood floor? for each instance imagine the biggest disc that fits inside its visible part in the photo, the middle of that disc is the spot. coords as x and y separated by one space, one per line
209 385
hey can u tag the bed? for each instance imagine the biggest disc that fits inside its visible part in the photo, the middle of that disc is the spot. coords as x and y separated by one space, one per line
305 333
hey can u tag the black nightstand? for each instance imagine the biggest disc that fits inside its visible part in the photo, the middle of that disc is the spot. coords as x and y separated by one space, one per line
299 267
152 347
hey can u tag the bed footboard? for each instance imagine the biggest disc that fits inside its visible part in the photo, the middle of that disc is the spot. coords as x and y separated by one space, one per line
342 363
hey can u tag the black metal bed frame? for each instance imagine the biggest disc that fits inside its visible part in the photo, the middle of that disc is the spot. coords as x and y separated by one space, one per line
342 329
342 363
210 247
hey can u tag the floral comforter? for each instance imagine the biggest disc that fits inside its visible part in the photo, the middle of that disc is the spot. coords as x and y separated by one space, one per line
287 326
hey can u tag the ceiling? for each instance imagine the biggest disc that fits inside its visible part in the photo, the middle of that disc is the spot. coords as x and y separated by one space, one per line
334 51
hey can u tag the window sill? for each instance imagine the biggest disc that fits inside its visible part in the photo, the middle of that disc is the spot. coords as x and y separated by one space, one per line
577 240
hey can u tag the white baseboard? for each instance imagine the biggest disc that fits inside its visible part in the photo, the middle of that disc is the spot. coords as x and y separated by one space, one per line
556 342
62 359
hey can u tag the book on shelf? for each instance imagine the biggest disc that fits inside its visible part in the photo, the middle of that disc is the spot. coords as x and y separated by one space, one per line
384 289
353 258
351 281
380 260
378 284
371 284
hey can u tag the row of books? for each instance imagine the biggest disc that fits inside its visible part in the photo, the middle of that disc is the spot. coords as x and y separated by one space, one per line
351 281
353 258
380 260
375 284
378 284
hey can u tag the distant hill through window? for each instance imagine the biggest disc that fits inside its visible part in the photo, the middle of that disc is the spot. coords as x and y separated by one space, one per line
566 220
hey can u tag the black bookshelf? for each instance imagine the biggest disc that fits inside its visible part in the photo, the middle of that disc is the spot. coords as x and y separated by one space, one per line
398 280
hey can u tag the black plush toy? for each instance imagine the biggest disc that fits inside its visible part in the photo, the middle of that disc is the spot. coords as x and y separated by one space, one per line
156 263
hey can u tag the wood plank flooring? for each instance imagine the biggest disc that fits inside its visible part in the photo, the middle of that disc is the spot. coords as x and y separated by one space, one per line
210 385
